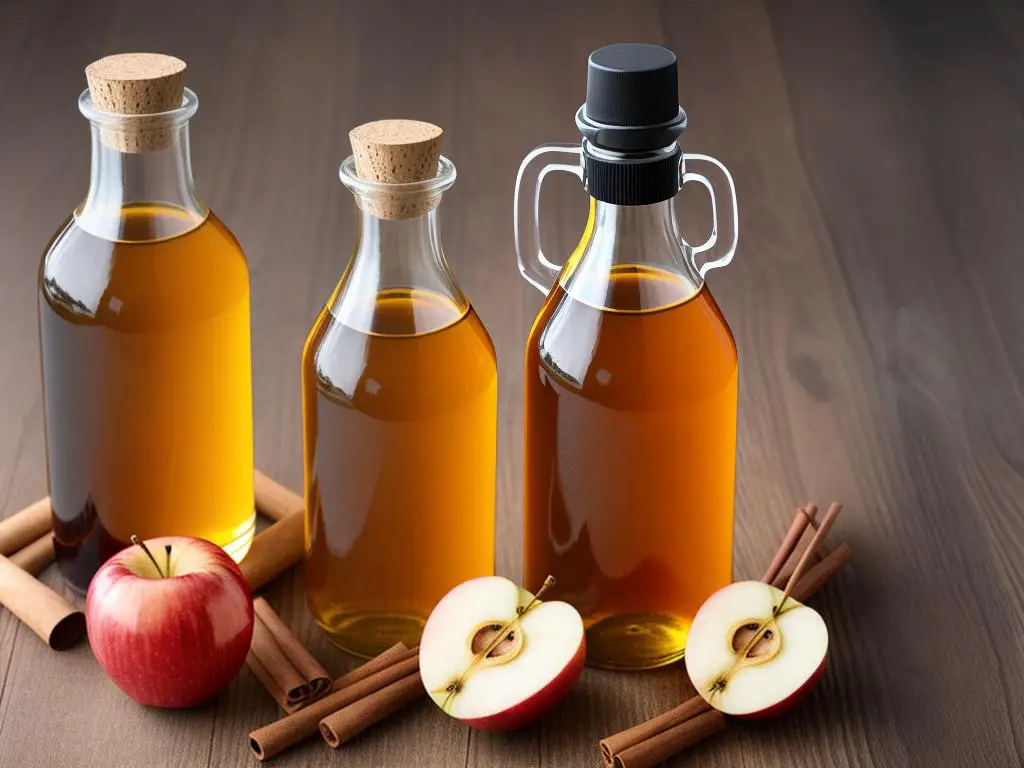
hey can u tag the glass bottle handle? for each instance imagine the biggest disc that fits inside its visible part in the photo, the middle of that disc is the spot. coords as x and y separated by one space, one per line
533 264
718 254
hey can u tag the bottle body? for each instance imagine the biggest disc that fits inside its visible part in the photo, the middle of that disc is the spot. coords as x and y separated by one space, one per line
399 385
630 438
147 385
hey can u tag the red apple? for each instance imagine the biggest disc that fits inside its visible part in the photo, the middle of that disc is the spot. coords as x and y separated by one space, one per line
173 636
503 684
748 658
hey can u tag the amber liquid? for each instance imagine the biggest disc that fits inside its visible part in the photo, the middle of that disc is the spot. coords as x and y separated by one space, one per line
400 421
630 460
147 386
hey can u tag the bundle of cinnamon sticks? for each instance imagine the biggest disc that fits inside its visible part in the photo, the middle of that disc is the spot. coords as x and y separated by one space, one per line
655 740
356 701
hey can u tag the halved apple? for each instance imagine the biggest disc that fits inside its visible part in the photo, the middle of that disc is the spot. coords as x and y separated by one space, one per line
496 657
748 657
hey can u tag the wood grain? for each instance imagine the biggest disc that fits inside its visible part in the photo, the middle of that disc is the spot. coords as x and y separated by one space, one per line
877 154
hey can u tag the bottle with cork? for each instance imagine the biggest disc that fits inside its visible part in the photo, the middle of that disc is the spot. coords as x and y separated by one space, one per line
144 326
399 386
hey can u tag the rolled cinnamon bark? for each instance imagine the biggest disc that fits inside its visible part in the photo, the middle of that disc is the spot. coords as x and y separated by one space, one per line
268 680
54 619
36 556
274 738
667 743
311 670
623 740
350 721
786 572
290 687
24 527
275 500
275 550
801 519
395 654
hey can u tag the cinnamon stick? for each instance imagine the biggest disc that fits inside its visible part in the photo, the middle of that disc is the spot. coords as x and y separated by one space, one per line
273 738
36 556
24 527
275 550
668 743
396 653
269 680
348 722
275 500
298 678
649 730
266 658
54 619
801 520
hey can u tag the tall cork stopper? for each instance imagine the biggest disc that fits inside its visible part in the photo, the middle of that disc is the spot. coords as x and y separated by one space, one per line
397 152
137 84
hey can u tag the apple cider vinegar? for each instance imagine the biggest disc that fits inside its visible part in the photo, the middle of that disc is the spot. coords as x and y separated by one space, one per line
147 387
399 386
401 442
630 471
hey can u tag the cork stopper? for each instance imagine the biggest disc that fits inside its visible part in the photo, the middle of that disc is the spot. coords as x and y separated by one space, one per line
397 152
137 84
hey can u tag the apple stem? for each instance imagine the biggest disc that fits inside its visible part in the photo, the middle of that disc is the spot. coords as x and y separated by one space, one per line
549 582
140 543
167 549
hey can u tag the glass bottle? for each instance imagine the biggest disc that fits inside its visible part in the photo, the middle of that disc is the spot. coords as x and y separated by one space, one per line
399 386
144 329
631 377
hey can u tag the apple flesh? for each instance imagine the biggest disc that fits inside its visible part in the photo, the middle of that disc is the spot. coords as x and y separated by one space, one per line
747 658
496 658
172 637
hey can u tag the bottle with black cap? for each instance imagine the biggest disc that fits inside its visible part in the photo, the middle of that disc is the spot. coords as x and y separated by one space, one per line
631 374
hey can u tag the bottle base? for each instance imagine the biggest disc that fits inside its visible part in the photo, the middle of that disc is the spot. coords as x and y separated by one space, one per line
369 634
636 641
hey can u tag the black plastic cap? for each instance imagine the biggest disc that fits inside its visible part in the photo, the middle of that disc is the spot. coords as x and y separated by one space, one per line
632 84
632 98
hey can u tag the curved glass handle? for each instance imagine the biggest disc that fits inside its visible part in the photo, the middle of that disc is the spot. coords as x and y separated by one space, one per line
718 254
533 264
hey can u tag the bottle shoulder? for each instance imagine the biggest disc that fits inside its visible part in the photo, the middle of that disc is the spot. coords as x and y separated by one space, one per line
634 359
143 282
397 375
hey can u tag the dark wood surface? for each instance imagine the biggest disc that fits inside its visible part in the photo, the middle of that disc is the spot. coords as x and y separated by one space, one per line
878 150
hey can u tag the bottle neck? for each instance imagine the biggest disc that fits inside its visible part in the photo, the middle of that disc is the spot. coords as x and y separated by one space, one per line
399 262
141 195
631 257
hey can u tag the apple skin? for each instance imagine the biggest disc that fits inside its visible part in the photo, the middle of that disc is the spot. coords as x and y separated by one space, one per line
170 642
788 704
535 707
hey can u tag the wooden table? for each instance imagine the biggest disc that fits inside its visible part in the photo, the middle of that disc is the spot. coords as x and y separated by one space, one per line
878 150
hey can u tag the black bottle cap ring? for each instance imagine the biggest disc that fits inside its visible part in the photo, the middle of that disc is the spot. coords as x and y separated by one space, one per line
637 178
630 138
